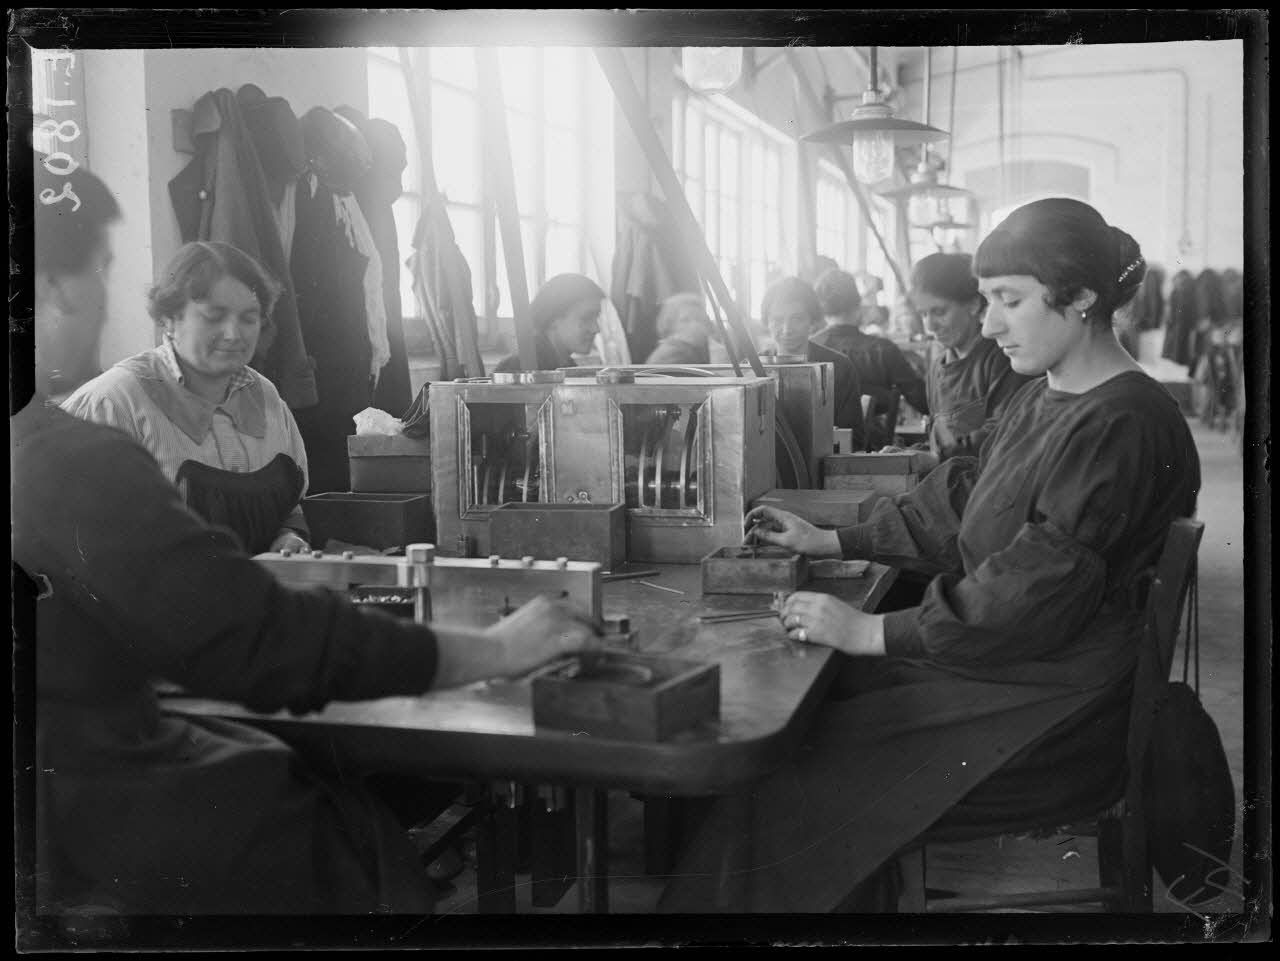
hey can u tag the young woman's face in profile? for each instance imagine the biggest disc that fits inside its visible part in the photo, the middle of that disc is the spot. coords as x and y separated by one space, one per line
1034 336
576 329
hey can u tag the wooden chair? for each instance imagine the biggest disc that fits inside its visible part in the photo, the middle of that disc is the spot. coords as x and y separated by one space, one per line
1124 865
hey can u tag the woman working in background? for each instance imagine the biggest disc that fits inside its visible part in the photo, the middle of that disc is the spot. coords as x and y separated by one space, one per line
970 382
217 428
685 331
792 316
565 314
880 365
1005 694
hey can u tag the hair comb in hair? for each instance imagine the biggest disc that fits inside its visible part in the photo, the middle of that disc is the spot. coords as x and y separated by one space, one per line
1128 270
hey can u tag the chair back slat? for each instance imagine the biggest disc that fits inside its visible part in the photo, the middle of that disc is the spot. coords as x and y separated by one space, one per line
1173 575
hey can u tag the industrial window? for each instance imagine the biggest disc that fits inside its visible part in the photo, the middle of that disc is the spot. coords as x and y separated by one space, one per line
839 225
733 168
554 125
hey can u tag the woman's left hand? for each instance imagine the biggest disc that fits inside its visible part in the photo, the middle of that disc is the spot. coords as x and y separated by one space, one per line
812 618
289 541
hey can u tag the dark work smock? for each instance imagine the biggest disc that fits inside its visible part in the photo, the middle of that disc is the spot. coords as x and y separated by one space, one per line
967 395
1026 639
154 813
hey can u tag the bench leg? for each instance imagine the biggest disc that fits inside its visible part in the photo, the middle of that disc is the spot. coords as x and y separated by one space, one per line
496 854
593 850
553 842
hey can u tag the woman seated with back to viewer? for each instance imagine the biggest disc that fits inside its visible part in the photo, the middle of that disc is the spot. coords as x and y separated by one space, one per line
880 363
565 314
685 331
218 429
970 382
1004 695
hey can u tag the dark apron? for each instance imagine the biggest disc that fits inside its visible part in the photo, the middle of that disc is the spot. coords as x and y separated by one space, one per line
253 505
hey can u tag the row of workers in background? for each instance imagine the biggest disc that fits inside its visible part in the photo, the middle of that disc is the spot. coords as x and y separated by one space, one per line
962 384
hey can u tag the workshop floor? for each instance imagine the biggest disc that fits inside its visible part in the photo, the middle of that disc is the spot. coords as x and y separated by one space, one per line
1008 864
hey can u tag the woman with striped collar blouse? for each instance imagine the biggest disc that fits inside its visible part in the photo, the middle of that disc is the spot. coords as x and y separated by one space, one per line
218 429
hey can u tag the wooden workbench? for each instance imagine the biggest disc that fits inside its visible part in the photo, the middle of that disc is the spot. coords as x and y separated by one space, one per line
770 690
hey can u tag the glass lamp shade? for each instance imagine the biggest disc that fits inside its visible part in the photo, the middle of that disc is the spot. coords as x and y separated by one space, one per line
873 156
939 204
711 69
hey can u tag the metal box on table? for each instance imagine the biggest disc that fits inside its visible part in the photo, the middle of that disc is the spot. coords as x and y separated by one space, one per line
804 397
386 464
753 570
488 447
824 508
371 520
685 456
580 532
626 696
888 474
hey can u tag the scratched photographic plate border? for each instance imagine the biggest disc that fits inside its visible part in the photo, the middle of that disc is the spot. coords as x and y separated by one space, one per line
116 28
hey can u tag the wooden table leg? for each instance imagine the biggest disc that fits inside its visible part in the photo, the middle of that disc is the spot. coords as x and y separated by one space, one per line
496 852
662 822
593 850
553 842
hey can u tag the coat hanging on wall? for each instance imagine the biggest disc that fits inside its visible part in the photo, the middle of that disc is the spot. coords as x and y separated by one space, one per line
224 195
329 273
376 193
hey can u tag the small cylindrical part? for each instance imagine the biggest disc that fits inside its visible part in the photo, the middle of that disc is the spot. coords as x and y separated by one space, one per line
348 555
526 561
562 563
420 553
494 559
317 554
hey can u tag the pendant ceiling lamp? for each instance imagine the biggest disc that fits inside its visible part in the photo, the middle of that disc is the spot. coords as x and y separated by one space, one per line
711 69
930 203
875 133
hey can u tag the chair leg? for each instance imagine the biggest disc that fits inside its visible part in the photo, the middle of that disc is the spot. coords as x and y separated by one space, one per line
914 868
1124 863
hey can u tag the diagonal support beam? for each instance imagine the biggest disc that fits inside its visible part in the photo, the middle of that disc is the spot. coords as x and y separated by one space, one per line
632 105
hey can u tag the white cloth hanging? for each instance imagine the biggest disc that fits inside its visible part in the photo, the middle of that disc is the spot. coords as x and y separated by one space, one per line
360 237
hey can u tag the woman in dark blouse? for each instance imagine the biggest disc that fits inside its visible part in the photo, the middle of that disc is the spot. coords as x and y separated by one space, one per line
1005 693
969 383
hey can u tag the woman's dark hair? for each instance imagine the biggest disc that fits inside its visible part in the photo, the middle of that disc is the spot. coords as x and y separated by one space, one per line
559 295
194 270
837 292
66 231
1209 300
949 276
792 288
1067 246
